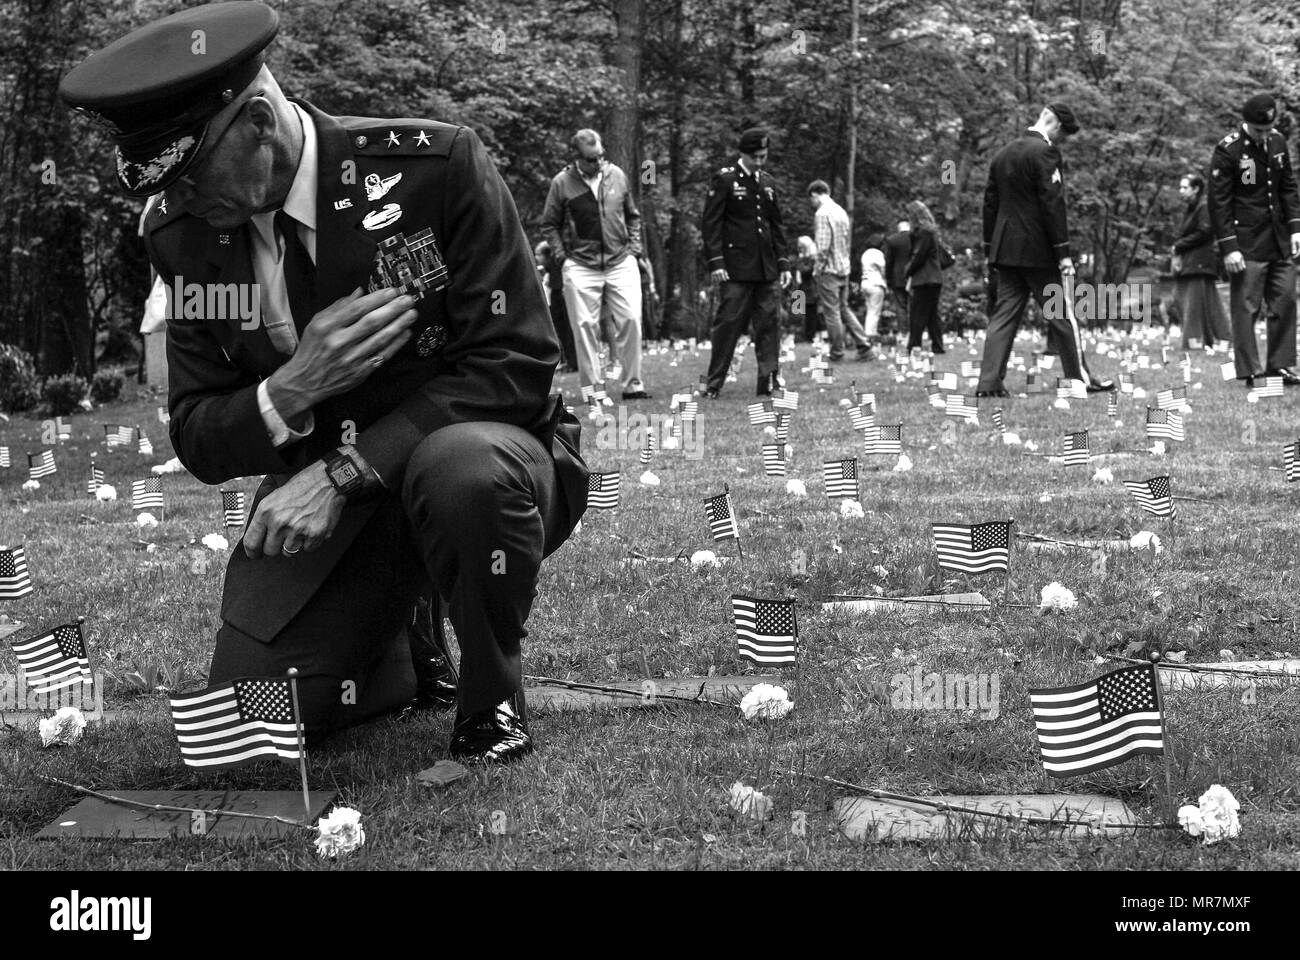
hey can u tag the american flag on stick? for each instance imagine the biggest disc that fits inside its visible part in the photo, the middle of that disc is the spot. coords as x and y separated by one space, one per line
761 413
1291 461
1164 424
774 459
4 457
55 660
886 440
62 429
1170 399
146 445
841 477
41 464
960 406
1094 725
1034 382
970 368
1112 404
232 508
1069 389
15 582
786 400
973 548
822 376
1268 387
651 444
690 410
862 417
766 632
1076 448
722 517
116 435
164 416
998 421
234 722
1153 495
603 490
95 480
147 493
1126 383
783 427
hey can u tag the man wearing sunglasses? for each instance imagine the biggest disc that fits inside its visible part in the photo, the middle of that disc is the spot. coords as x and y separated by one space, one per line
393 388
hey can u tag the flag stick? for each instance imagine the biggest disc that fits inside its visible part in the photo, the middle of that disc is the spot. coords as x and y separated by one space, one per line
1006 596
302 748
1164 735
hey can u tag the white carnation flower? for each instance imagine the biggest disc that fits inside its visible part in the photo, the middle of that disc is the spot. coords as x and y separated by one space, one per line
1103 475
1045 498
1011 439
216 542
1031 446
650 479
62 729
851 509
880 570
1189 818
340 832
106 493
1061 404
146 521
705 558
171 466
1145 540
766 702
904 463
748 802
796 487
1158 448
1218 809
769 431
1252 397
1057 597
845 403
31 485
1139 393
670 443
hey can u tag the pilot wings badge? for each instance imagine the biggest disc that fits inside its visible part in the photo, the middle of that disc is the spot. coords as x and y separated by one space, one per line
376 188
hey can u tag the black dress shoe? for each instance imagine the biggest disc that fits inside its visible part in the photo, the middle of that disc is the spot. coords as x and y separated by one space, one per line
991 393
496 735
710 394
1289 379
637 395
1100 386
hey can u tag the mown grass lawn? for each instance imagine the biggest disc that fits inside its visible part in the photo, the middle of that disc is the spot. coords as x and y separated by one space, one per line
646 788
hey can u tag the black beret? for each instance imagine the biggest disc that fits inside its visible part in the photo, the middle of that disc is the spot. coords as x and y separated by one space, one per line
157 89
1260 109
1066 116
753 140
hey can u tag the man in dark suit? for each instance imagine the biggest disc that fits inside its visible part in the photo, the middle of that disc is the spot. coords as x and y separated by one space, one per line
744 241
1254 209
1027 245
406 433
898 254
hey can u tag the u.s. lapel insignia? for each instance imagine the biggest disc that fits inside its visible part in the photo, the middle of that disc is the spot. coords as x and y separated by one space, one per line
378 219
342 204
422 139
431 340
223 239
376 188
393 139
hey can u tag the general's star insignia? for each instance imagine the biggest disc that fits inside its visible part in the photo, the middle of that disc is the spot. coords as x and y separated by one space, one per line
422 139
1056 176
393 139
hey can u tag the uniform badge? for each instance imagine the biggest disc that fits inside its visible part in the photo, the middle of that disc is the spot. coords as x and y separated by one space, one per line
376 188
414 264
422 139
378 219
393 139
223 239
1056 176
434 338
162 206
342 204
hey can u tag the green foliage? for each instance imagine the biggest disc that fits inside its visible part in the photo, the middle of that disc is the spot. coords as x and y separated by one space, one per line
106 386
20 387
63 394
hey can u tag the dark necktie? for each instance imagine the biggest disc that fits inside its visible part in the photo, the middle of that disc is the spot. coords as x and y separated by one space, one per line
299 271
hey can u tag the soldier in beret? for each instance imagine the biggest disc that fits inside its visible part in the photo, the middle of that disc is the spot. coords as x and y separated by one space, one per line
744 241
1255 214
393 389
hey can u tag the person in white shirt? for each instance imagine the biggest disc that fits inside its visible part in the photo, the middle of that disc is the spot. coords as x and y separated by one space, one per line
873 283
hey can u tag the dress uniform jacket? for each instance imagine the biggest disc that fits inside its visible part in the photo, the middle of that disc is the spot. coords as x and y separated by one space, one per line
742 226
1024 206
482 349
1253 198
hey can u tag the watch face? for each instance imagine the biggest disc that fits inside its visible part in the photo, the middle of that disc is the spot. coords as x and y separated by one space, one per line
344 473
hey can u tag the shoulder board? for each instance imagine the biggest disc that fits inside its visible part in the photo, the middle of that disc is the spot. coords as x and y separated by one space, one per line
400 138
1230 138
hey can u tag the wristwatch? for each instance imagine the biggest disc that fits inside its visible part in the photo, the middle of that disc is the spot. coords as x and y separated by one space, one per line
344 473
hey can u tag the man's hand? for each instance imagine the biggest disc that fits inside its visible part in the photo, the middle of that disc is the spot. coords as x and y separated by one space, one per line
1066 266
1176 264
1236 263
301 515
785 278
719 275
343 345
1295 244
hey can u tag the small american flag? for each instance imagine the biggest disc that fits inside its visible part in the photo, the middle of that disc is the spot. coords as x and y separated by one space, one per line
1168 399
841 477
1112 404
4 457
164 416
887 440
41 464
55 660
1164 425
946 381
1272 387
865 400
146 493
822 375
976 548
721 517
766 632
1076 448
1068 389
62 428
862 417
774 459
651 444
786 400
959 405
236 721
1098 724
1153 495
232 507
1291 461
783 427
603 490
95 480
116 435
969 368
14 579
1126 383
761 413
1034 382
1186 364
998 421
690 410
146 445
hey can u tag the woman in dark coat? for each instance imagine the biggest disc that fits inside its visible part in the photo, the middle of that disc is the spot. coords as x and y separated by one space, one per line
925 276
1195 267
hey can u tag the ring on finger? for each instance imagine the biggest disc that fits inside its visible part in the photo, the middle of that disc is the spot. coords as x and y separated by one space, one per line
289 553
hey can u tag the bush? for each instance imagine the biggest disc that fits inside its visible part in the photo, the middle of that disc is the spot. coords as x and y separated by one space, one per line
63 394
107 386
20 387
